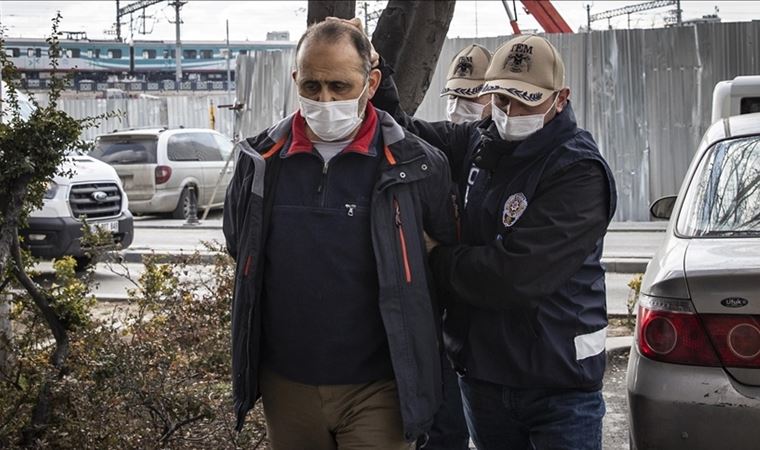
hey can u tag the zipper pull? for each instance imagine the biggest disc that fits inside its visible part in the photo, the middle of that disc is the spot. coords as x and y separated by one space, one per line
350 209
322 181
398 212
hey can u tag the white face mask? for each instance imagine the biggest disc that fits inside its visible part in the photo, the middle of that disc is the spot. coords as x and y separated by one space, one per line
459 110
520 127
332 121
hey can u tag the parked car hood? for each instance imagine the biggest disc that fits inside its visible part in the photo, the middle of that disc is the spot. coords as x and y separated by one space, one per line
85 169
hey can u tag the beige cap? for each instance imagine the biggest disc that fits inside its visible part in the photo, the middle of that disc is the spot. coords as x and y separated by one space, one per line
467 71
527 68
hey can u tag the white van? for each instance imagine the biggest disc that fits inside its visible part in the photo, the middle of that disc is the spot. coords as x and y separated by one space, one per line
94 192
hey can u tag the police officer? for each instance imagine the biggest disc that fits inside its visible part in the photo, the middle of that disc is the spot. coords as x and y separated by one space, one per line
464 82
526 313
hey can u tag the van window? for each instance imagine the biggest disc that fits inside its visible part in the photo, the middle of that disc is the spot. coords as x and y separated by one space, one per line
193 147
117 150
749 105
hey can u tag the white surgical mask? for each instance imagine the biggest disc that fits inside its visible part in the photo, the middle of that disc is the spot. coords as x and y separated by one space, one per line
332 121
517 128
459 110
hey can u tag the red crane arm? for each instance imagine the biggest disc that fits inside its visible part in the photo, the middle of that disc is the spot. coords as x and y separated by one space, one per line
546 16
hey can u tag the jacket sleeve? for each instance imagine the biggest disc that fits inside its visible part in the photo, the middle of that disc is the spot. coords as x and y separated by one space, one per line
561 226
440 211
452 139
230 226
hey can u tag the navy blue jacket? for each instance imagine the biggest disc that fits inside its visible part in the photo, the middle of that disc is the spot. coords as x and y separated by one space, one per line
527 303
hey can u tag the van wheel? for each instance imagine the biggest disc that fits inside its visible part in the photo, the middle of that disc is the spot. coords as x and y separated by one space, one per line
83 262
183 206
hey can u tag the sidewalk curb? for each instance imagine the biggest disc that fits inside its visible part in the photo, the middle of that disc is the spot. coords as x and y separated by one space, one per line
611 265
618 344
625 265
177 227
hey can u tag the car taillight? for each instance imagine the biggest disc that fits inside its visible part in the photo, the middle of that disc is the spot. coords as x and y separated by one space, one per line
669 330
736 338
163 173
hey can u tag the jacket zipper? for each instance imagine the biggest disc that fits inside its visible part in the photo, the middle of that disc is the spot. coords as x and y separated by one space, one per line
321 188
402 239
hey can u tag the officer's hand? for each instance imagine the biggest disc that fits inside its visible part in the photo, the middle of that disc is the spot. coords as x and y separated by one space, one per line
430 243
374 57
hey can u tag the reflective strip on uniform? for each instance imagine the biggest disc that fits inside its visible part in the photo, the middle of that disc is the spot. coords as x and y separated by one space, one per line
590 344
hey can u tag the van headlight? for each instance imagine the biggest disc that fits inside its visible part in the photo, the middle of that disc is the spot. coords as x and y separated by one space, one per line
51 190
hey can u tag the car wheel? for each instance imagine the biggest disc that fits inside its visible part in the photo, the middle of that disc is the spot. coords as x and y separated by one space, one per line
183 205
83 262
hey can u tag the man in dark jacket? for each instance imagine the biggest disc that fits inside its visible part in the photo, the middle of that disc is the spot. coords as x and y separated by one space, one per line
526 308
332 321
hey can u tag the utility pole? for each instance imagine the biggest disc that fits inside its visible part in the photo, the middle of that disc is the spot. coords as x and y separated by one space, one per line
118 22
678 12
588 18
229 78
178 49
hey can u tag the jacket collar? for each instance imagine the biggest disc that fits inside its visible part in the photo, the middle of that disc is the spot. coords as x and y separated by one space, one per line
277 135
362 143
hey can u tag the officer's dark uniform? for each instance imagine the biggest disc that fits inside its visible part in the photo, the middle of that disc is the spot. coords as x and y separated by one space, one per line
527 304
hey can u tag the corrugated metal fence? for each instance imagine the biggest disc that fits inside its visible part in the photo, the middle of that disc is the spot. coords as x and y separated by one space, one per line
645 95
151 111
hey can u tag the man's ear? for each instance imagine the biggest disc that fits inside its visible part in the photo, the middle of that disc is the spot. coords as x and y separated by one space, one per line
375 76
295 72
562 98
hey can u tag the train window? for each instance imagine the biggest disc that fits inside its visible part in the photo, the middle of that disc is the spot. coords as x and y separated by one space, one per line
54 53
189 54
93 53
12 52
243 52
74 53
207 54
149 54
169 54
114 53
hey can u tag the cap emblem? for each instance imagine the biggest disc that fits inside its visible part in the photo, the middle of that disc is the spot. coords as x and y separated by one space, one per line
519 58
464 67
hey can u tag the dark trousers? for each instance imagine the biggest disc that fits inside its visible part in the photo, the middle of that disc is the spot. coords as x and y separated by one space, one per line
516 419
449 431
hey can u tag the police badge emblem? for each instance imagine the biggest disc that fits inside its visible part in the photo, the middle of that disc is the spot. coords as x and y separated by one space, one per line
514 207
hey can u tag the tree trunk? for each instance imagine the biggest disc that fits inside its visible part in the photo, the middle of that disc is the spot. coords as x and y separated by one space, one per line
421 27
318 10
6 360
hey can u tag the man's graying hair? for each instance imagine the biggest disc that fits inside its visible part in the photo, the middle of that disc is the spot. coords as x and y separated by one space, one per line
332 31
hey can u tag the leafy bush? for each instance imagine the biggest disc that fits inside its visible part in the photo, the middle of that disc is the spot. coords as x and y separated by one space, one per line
154 374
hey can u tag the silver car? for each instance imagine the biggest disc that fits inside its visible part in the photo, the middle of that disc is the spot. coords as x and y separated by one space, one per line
160 168
694 369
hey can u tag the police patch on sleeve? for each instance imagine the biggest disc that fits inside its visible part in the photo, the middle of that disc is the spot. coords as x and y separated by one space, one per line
514 207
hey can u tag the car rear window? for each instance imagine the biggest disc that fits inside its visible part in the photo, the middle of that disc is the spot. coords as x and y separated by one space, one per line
117 150
723 199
